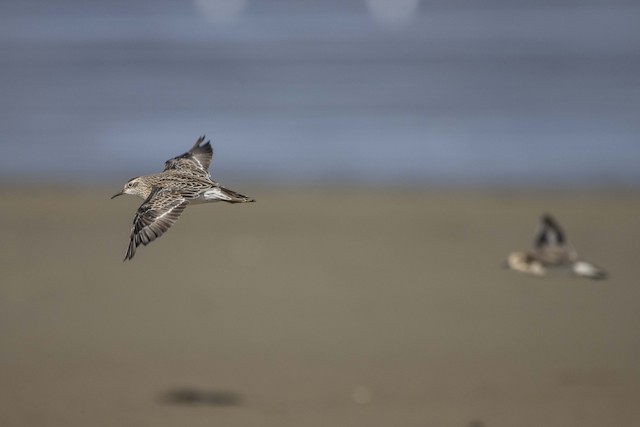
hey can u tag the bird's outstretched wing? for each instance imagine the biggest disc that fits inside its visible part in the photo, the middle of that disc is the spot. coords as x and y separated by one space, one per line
156 214
197 159
551 241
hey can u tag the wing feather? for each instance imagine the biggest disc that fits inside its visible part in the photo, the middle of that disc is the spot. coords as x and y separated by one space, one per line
551 242
197 159
154 217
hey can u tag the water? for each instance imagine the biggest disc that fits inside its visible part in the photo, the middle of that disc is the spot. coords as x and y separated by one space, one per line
535 93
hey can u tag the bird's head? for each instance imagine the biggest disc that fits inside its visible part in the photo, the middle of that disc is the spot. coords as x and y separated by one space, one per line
525 263
135 187
516 261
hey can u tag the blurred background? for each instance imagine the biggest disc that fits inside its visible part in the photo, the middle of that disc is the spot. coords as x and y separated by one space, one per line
359 91
398 150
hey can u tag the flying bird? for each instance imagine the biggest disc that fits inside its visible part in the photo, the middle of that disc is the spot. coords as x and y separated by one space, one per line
552 251
184 181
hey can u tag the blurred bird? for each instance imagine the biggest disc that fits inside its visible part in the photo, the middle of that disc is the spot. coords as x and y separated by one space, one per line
184 181
552 251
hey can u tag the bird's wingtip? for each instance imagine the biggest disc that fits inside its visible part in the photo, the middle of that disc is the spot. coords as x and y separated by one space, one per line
199 142
546 217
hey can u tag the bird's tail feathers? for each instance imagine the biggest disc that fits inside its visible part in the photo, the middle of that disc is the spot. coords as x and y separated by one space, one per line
586 269
226 195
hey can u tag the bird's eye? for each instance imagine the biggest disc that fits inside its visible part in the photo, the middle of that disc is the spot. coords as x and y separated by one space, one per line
130 184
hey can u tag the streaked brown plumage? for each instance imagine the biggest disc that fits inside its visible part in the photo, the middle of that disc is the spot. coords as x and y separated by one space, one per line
185 180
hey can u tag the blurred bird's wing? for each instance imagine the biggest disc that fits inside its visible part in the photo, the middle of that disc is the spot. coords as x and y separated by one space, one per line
197 159
551 242
156 214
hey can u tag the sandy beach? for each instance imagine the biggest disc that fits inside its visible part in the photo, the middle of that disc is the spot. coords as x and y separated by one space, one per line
362 308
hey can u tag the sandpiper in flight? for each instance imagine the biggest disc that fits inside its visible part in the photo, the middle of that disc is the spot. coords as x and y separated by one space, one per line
184 181
552 251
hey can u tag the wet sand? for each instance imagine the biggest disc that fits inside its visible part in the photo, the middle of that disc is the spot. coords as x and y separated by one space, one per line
363 308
